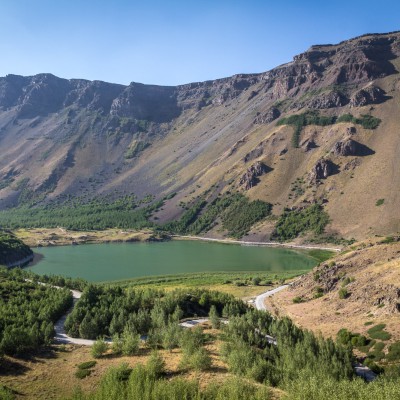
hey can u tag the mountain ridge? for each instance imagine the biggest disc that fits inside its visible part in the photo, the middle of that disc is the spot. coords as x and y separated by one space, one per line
61 138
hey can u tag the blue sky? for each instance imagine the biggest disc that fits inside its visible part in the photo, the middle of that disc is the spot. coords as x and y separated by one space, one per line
175 42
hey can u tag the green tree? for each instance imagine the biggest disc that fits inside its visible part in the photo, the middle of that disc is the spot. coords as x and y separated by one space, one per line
130 343
214 317
99 348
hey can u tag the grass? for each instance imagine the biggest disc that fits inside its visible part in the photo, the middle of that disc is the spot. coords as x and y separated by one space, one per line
239 284
321 255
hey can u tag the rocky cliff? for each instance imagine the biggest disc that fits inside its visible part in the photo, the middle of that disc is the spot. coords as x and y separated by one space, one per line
64 138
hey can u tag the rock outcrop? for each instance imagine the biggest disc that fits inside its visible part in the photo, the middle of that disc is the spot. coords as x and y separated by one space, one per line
369 95
272 114
308 145
250 178
330 99
350 147
322 169
347 147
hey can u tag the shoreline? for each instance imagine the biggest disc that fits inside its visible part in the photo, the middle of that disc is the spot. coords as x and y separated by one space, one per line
248 243
47 237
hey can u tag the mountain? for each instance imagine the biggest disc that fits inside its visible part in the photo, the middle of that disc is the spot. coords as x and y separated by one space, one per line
322 128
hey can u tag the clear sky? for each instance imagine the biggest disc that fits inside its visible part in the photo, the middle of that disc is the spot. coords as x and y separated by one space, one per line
171 42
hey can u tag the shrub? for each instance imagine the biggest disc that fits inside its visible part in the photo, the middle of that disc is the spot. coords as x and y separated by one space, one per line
170 336
87 364
256 281
130 343
6 393
379 202
343 293
298 299
155 366
318 292
368 121
214 317
117 344
200 360
99 348
82 373
394 352
377 332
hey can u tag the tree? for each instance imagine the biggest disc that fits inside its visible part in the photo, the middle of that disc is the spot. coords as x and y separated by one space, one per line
117 344
130 343
155 365
214 317
256 280
99 348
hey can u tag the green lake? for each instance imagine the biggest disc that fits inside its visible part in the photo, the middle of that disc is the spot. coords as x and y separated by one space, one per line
117 261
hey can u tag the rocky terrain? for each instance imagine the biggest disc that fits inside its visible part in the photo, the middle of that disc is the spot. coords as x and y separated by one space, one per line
356 289
61 139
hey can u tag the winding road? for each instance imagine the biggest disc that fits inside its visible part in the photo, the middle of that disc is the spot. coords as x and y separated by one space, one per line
62 337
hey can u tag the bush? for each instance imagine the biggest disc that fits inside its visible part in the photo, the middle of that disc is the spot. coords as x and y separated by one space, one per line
6 393
343 293
117 344
377 332
379 202
191 340
155 366
298 299
82 373
256 281
99 348
214 317
394 352
200 360
318 292
87 364
130 343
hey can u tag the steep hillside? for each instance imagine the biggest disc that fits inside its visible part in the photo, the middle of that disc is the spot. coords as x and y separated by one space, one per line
356 290
62 139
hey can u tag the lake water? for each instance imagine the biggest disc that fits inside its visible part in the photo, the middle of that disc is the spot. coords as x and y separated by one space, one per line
116 261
